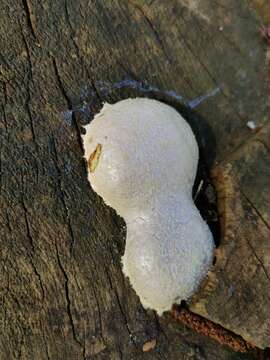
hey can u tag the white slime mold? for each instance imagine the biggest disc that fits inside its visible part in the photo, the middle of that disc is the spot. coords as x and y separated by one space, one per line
142 160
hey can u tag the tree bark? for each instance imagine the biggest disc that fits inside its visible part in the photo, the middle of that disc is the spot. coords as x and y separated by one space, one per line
63 294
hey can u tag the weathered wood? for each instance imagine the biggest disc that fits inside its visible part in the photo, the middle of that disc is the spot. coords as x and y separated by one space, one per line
62 291
237 292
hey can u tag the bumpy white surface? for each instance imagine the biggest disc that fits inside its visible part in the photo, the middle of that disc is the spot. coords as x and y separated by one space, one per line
146 172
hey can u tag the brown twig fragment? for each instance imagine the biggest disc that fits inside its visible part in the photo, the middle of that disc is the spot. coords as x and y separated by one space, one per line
214 331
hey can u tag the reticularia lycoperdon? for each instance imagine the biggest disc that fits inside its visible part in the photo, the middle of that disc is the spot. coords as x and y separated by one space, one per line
142 160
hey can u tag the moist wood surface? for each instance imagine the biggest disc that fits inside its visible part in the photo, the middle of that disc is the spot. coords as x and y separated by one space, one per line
62 292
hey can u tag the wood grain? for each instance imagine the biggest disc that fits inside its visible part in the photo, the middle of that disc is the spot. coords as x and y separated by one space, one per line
63 295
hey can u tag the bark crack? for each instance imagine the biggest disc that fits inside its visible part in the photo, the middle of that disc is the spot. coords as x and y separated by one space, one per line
159 327
249 244
121 309
152 27
5 93
263 143
5 119
67 295
78 51
69 104
28 231
99 314
31 240
29 79
258 259
97 302
256 210
158 38
120 352
28 12
8 222
62 196
39 278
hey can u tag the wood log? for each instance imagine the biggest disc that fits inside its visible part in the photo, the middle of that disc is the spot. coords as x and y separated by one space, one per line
63 294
